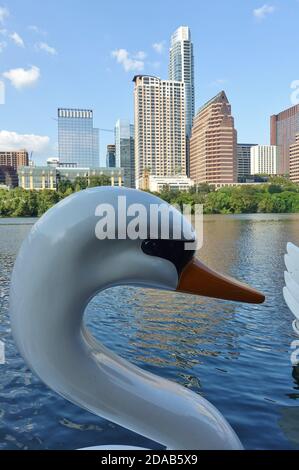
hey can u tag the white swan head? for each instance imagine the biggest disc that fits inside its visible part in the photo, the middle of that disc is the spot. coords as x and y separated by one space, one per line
61 265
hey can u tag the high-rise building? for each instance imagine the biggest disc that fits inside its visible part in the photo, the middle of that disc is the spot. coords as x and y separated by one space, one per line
14 158
284 127
243 157
78 140
8 176
110 156
125 150
264 159
181 68
160 136
213 144
294 161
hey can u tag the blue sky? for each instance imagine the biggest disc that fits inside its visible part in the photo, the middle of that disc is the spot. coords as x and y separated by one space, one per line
67 53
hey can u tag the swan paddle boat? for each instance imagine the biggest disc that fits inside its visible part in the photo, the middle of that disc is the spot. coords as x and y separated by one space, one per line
61 266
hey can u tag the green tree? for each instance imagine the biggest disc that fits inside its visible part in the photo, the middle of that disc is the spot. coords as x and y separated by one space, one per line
101 180
64 185
80 183
46 199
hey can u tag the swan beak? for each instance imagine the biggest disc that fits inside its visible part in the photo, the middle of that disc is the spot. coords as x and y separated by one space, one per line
198 279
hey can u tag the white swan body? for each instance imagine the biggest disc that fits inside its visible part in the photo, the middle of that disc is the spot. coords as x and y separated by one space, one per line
60 267
291 289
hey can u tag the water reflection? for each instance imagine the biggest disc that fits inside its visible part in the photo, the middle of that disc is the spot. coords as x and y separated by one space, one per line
237 356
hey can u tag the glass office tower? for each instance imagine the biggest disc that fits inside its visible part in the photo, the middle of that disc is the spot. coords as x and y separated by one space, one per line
78 140
124 150
244 161
110 156
181 68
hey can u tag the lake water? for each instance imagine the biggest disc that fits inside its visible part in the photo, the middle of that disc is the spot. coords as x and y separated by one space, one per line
237 356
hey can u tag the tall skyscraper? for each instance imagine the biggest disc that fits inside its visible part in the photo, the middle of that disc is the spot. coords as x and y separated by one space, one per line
284 127
78 140
14 158
264 159
243 157
294 161
160 136
181 68
213 144
110 156
125 151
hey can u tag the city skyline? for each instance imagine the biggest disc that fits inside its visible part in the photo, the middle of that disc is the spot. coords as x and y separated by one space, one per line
43 49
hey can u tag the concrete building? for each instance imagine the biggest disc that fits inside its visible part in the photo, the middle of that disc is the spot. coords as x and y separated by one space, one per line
213 144
264 159
47 177
14 158
125 150
294 161
160 129
78 140
284 127
243 158
158 183
110 156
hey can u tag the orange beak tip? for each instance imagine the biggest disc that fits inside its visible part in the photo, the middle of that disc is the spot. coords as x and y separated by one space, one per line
198 279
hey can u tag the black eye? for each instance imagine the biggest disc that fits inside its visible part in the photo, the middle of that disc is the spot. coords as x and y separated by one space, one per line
150 247
172 250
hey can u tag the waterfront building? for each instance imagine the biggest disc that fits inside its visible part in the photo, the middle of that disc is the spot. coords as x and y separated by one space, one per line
110 156
158 183
284 127
78 140
181 68
37 177
14 158
294 161
125 150
243 158
264 159
8 176
48 177
160 135
53 161
213 144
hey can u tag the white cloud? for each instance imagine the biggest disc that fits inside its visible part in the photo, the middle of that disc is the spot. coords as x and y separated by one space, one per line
3 45
10 140
43 46
21 78
37 30
4 13
159 47
16 38
262 12
140 55
128 62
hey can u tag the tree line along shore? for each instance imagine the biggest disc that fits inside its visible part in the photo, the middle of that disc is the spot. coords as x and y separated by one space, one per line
279 195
